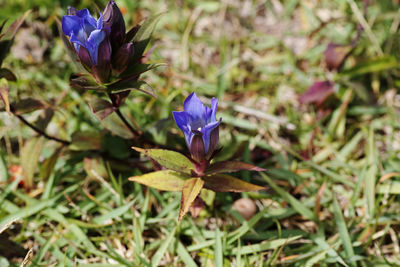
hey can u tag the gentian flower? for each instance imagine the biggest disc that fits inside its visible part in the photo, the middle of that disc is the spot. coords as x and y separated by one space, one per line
90 40
200 127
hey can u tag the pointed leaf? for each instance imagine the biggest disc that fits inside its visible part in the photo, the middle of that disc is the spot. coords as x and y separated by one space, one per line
133 84
137 69
190 191
29 159
4 91
232 166
49 164
227 183
169 159
4 49
142 37
28 105
8 74
85 81
101 108
163 180
114 124
44 119
318 92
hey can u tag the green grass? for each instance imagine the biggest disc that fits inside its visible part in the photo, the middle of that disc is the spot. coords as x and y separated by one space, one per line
333 179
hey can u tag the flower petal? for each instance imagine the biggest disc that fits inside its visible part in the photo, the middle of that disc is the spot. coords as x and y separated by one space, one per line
93 42
194 107
206 131
182 120
71 24
99 24
214 107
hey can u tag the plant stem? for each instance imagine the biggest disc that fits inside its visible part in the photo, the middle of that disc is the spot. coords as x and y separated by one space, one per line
123 119
41 132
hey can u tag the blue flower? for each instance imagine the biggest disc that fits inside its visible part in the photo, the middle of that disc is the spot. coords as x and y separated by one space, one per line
84 31
199 125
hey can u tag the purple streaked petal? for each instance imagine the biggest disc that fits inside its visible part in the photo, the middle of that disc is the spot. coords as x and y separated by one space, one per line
93 42
76 41
99 24
214 107
206 131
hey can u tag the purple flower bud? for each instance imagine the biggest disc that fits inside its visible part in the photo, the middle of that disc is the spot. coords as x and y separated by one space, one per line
123 57
200 127
101 71
197 147
115 22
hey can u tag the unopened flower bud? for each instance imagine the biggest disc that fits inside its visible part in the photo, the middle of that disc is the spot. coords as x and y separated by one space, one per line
113 20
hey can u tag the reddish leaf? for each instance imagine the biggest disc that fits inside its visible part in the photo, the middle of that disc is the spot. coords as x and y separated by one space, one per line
101 108
162 180
4 90
335 55
169 159
197 206
318 92
227 183
190 191
232 166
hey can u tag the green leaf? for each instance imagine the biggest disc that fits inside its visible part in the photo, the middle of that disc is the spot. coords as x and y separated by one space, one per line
342 229
297 205
227 183
157 257
162 180
4 92
29 158
132 84
231 166
143 35
48 165
118 212
85 141
268 245
101 108
169 159
373 65
190 191
7 74
114 124
28 105
134 70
